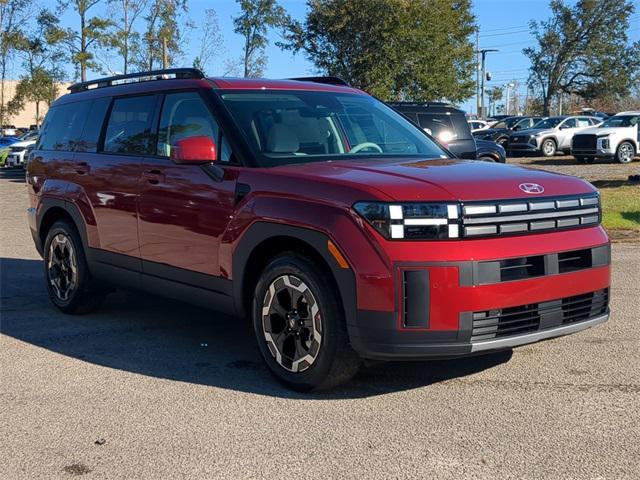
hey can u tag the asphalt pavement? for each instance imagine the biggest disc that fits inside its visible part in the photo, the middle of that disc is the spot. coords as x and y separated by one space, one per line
149 388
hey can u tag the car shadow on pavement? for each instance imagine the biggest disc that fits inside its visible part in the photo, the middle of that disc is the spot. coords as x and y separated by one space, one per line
161 338
16 175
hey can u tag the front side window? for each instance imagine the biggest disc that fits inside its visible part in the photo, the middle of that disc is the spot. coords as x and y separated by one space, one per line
184 115
129 127
302 126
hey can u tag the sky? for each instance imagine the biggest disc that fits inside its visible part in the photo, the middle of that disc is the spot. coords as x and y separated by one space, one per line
503 26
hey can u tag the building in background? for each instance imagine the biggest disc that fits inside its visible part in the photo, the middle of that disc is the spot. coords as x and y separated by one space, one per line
27 116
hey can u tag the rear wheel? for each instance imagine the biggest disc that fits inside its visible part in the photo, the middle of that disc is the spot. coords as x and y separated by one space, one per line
69 282
625 153
300 326
549 147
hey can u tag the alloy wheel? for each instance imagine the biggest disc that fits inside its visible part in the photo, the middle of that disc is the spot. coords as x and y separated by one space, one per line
292 323
549 148
62 267
626 153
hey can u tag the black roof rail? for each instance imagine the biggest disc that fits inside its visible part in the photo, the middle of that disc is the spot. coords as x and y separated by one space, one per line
326 80
142 76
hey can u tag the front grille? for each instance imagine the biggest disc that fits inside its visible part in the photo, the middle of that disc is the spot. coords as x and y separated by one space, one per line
523 319
519 139
523 216
584 142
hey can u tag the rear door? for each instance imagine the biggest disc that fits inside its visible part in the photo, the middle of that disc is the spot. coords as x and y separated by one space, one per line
111 177
183 209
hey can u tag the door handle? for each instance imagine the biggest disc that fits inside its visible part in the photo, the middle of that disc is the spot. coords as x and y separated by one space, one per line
154 177
82 168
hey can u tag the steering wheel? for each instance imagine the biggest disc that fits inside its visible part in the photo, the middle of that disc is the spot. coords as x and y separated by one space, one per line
363 145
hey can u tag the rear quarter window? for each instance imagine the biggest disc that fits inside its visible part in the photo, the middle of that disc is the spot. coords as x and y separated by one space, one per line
63 126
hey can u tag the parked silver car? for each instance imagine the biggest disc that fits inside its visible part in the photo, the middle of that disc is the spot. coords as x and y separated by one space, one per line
550 135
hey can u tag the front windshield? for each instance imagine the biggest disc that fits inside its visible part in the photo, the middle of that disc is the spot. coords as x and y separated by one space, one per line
621 121
549 122
303 126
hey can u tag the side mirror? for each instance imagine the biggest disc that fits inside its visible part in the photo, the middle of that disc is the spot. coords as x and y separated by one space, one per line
197 149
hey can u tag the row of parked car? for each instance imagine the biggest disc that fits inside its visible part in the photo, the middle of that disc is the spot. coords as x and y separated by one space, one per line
586 137
14 149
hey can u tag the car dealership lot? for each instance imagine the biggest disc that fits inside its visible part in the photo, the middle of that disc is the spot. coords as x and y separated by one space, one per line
148 388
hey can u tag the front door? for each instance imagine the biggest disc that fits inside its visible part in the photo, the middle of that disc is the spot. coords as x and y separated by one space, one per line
183 210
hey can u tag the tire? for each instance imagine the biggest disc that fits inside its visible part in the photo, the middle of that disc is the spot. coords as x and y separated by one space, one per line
304 350
626 152
585 160
487 159
549 147
71 291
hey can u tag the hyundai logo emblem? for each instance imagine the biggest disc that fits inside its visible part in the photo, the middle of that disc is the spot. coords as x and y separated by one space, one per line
531 188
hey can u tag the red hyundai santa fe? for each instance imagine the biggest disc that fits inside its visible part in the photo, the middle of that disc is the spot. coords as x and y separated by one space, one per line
340 228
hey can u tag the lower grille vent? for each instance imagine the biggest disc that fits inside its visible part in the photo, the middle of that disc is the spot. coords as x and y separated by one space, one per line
512 321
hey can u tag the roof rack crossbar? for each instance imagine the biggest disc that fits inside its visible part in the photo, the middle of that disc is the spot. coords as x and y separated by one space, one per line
143 76
326 80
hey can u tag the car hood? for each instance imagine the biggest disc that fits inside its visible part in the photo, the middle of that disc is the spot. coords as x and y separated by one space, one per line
450 179
533 131
603 131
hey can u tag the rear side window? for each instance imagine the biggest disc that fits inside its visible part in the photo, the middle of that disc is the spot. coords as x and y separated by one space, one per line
88 142
439 126
63 126
184 115
129 127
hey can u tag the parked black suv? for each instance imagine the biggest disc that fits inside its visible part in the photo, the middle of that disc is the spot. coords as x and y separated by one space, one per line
449 125
501 130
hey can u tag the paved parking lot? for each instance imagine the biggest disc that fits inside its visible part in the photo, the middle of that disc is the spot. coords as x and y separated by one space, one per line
147 388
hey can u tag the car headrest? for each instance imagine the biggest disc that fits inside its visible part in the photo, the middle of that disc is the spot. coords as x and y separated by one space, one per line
282 139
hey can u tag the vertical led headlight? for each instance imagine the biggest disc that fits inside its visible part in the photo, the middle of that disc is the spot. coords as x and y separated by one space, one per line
412 221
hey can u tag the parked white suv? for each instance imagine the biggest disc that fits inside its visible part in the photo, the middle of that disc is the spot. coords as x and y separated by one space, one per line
617 137
550 135
18 151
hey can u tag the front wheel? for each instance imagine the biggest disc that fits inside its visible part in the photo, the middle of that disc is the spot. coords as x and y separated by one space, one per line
300 326
625 153
549 147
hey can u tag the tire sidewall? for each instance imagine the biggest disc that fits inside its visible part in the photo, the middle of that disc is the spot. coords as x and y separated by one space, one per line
331 315
63 227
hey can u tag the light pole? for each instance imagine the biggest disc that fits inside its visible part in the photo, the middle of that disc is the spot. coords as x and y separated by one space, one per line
483 52
509 86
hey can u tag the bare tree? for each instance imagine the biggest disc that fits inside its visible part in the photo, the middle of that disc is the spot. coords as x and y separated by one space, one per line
211 41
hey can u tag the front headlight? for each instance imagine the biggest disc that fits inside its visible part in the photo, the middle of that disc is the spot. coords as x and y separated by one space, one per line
412 221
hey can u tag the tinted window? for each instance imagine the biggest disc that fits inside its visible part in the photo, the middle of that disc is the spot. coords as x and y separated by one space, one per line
184 115
63 126
88 142
439 126
129 127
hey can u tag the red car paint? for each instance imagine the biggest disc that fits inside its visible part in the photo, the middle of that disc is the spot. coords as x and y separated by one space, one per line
156 213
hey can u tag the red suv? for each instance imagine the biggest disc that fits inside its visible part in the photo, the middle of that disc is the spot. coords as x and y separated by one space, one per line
340 228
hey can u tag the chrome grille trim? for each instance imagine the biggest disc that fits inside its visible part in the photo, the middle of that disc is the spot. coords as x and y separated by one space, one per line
522 216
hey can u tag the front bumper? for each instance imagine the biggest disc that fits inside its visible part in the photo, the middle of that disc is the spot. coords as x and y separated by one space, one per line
459 308
522 147
597 152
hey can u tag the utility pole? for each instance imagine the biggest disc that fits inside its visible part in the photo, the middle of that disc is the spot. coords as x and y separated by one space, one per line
483 52
478 73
